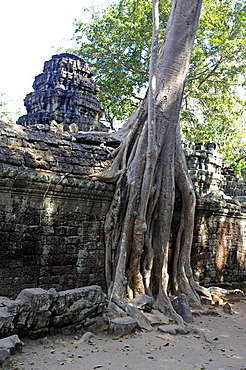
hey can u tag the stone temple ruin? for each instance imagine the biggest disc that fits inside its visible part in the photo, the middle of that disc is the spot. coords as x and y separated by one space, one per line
64 96
52 214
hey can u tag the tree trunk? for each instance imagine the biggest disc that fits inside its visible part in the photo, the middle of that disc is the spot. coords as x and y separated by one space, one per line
147 168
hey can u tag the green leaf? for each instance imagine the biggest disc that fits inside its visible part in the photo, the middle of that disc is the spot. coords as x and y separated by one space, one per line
213 110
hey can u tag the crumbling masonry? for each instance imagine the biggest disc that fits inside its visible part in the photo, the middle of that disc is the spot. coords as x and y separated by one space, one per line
52 214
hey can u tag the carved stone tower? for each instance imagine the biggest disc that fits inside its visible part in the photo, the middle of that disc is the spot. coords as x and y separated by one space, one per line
63 97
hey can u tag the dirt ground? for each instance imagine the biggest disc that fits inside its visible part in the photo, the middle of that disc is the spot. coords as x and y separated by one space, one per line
220 345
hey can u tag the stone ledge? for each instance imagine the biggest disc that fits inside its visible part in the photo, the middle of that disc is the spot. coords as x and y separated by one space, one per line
36 309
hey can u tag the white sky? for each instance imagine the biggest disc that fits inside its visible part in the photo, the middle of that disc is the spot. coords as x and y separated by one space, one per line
30 33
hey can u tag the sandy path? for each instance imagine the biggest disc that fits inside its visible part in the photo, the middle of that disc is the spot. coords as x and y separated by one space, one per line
147 351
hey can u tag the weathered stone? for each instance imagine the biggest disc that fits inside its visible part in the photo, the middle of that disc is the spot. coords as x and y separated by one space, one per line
122 326
181 306
97 324
4 357
71 310
61 256
122 303
126 305
75 305
6 320
86 337
11 343
63 97
143 302
137 315
113 311
156 317
32 306
5 302
227 308
173 329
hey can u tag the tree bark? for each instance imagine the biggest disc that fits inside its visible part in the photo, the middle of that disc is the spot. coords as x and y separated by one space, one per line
147 168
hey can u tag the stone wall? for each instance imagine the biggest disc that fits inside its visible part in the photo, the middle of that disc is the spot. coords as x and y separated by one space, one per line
219 245
52 215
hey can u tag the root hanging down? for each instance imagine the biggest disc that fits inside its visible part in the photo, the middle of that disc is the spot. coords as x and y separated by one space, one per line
148 166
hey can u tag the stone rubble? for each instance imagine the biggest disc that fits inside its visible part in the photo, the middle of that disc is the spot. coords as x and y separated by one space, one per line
35 310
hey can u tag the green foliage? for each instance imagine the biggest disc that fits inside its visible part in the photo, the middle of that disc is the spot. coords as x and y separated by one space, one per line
6 111
116 43
212 109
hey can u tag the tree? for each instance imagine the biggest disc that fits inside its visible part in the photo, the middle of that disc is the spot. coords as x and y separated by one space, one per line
148 168
117 45
8 108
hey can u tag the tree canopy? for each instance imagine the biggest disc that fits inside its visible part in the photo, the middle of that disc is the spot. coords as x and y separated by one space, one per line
117 42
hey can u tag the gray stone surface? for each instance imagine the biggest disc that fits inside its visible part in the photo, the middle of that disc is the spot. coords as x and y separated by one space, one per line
173 329
12 343
78 304
48 204
227 308
113 311
4 357
47 208
137 314
6 320
63 97
122 326
35 310
143 302
156 317
181 306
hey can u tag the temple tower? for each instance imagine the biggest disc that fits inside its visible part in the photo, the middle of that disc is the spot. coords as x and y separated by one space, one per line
64 97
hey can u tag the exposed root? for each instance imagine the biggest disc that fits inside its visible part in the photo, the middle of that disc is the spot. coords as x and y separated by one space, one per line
147 164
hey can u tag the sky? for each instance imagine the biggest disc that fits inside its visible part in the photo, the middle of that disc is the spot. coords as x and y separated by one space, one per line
31 31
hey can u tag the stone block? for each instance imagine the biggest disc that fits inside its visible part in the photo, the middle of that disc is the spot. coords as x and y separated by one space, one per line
6 320
156 317
137 315
122 326
75 305
181 306
32 306
12 343
143 302
113 311
173 329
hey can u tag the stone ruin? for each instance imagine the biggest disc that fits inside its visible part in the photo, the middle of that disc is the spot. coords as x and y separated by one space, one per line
52 214
64 97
